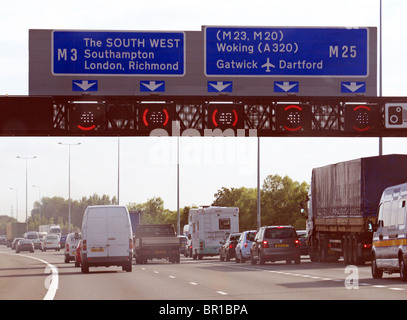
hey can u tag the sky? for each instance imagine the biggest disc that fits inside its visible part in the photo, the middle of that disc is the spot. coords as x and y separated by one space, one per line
146 167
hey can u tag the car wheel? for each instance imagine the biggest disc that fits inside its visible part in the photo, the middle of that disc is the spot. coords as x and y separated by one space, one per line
376 272
261 259
237 259
127 267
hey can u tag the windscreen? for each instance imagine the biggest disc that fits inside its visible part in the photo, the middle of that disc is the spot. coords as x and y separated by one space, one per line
155 231
280 233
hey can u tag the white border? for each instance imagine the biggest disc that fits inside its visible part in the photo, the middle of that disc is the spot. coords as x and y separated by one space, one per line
116 75
289 76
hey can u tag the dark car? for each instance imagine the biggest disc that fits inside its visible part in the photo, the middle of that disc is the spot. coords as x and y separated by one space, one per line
24 245
228 250
303 237
62 241
14 243
276 243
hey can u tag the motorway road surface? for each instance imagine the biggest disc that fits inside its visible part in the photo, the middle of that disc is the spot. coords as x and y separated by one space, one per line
39 275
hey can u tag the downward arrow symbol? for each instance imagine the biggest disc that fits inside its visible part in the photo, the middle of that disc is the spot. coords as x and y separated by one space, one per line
84 84
286 86
353 86
220 86
152 85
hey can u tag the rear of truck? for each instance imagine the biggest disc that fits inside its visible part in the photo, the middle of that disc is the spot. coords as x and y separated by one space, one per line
344 201
156 241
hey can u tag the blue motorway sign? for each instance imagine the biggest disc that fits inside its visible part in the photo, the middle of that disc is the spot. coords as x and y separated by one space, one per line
271 51
118 53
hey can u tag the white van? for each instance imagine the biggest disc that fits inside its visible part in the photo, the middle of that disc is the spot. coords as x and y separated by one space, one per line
71 243
389 248
107 238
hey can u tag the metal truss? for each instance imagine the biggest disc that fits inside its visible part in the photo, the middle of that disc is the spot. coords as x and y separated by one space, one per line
123 116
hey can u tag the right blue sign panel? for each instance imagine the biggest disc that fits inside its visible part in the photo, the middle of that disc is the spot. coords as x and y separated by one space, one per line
268 52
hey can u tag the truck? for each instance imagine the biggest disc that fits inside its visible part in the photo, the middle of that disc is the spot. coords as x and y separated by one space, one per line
343 203
50 229
156 241
135 218
210 228
15 230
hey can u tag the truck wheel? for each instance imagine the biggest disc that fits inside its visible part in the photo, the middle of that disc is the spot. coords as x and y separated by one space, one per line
403 268
345 252
84 267
349 247
376 272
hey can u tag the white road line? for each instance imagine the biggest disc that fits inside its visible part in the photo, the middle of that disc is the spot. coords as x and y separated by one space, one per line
53 283
193 283
222 293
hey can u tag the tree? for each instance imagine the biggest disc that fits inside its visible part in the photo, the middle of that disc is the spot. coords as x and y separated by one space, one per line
280 202
243 198
281 198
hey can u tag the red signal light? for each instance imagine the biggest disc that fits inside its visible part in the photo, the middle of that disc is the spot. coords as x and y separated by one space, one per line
293 117
154 116
225 116
361 118
86 117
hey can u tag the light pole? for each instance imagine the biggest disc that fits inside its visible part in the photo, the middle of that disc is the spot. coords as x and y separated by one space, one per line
39 201
16 190
69 181
26 186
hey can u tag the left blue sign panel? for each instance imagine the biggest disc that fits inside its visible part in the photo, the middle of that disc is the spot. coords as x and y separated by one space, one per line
118 53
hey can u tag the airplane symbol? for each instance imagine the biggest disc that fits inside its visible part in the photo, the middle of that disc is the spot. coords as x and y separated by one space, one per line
268 65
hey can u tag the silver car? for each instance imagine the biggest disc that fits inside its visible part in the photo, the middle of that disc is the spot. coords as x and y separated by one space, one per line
243 245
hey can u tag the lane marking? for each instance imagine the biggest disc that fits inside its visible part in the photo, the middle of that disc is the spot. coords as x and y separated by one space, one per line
54 280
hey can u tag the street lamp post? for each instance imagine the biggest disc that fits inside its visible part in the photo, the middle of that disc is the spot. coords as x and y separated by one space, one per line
16 190
69 180
26 186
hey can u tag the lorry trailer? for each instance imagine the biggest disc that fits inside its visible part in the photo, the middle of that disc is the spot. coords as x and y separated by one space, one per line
343 206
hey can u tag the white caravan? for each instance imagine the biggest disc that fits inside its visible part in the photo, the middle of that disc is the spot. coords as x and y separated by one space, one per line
107 238
210 228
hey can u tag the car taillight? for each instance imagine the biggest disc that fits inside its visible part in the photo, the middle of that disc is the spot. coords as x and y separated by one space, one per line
245 244
131 244
265 244
67 247
231 246
84 245
297 242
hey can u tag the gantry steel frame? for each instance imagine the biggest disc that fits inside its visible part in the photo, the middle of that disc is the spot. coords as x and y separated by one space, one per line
122 115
